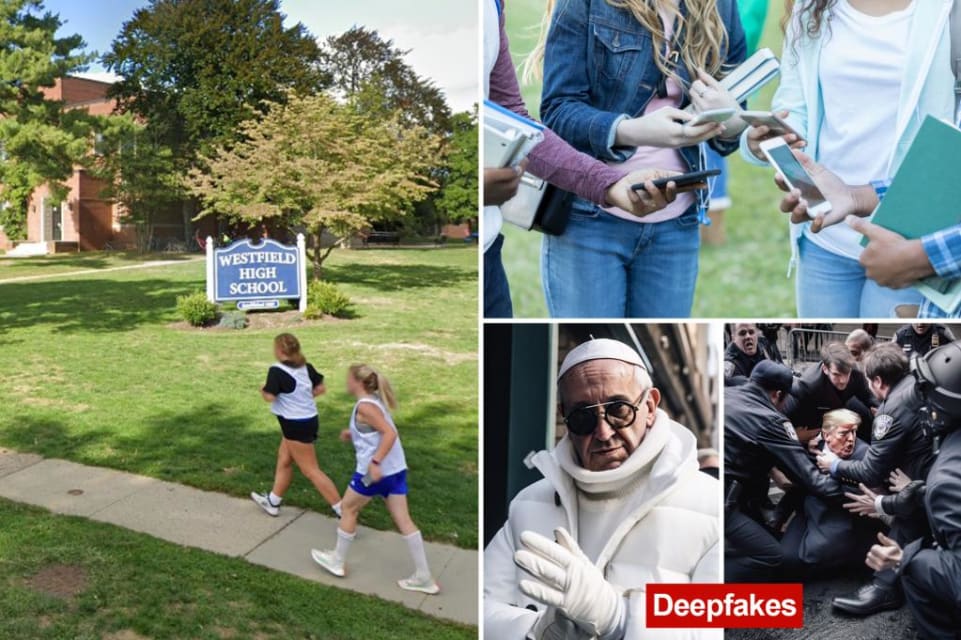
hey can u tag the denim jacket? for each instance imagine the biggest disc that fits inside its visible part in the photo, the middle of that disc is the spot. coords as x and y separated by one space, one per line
599 68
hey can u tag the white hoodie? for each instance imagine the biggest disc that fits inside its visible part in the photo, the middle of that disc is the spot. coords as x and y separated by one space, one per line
667 529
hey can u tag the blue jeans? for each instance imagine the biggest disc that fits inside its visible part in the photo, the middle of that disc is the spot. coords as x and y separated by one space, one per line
497 291
834 286
607 267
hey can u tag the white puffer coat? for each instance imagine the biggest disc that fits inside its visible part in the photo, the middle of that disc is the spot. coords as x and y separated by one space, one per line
672 534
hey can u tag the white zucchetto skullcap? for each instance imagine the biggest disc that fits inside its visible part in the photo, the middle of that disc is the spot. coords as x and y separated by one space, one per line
600 349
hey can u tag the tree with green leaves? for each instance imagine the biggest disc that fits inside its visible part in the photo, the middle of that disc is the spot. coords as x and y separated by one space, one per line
40 141
315 164
457 199
371 73
193 70
139 173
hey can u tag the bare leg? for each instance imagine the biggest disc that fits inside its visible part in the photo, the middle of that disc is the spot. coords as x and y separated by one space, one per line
397 507
285 470
351 507
305 457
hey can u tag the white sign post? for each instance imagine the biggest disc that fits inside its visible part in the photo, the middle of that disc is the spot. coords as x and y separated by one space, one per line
210 268
302 249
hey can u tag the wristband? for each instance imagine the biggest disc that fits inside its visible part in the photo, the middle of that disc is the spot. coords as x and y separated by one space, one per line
880 188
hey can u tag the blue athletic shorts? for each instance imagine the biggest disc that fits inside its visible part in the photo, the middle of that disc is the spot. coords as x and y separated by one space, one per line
395 484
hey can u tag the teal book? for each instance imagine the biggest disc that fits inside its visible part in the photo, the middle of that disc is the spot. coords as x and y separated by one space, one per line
925 196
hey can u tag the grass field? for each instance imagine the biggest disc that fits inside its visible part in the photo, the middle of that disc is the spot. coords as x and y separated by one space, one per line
64 577
744 277
67 262
95 369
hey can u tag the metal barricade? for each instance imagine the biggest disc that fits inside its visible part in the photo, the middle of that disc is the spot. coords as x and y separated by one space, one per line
801 347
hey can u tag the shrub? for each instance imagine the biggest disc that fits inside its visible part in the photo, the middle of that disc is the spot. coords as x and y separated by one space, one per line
325 299
233 320
196 309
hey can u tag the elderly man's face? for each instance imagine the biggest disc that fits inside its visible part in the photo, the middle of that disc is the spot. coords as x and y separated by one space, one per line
745 337
840 440
596 382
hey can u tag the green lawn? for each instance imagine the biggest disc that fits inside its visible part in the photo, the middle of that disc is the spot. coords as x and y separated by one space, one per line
67 262
95 371
744 277
63 577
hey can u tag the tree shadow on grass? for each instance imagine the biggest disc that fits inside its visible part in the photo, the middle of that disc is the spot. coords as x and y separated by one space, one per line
396 277
95 305
84 260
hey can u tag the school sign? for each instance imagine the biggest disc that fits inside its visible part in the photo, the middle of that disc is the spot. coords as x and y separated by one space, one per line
257 276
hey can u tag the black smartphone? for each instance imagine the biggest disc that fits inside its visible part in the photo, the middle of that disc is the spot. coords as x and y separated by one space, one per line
682 180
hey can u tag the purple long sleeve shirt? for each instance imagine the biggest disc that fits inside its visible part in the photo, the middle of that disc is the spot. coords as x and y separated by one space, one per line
553 159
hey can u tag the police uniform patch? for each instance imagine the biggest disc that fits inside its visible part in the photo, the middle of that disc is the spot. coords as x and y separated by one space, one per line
882 424
728 368
789 430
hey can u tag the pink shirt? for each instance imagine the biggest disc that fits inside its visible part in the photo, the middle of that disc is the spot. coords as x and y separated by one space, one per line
659 157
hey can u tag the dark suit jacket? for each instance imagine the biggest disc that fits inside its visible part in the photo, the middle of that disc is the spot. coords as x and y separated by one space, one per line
813 395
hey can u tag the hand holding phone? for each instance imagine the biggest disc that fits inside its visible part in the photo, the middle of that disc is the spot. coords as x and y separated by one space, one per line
685 181
778 152
766 126
712 115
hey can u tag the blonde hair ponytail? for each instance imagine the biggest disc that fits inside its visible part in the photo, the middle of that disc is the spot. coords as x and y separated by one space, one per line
705 37
375 383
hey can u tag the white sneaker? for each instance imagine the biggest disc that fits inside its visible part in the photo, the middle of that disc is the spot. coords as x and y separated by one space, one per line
264 502
421 584
328 560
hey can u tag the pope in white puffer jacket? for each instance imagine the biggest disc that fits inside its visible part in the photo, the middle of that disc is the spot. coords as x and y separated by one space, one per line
654 519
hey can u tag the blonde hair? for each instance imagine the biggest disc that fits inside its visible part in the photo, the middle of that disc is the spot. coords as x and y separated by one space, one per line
375 383
289 345
834 419
705 36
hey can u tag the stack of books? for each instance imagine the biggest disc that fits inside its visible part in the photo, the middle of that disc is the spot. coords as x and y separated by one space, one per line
508 137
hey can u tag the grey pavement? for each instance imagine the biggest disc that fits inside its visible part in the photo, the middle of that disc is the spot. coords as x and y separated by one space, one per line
238 527
821 622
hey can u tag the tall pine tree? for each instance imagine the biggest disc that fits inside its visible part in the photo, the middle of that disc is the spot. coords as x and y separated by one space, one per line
40 141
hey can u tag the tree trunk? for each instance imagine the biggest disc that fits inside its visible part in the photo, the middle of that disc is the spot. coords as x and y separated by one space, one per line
187 211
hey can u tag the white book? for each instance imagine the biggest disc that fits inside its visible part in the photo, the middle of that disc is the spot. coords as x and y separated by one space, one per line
508 137
749 76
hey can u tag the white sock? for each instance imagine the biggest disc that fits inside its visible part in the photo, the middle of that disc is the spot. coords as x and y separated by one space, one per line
274 499
415 544
343 544
336 508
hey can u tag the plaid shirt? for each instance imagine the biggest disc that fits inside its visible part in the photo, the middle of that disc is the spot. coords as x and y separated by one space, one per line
944 251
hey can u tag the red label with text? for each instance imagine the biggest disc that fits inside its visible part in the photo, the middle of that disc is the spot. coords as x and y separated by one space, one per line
725 605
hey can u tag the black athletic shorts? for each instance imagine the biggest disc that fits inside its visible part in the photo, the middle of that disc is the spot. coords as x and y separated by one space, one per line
304 430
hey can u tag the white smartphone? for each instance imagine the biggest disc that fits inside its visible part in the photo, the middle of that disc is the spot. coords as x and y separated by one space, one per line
712 115
781 157
777 126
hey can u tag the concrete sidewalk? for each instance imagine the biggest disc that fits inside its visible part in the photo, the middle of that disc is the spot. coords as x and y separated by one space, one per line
237 527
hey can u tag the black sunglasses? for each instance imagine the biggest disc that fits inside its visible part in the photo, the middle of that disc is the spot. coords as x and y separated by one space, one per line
620 414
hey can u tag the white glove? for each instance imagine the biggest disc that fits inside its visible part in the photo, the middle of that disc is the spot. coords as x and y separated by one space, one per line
565 578
552 625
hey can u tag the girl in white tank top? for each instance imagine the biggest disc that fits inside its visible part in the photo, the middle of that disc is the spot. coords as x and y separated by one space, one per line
291 388
381 470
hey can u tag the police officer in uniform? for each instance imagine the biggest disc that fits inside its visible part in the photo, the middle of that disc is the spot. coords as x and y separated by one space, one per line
757 437
748 347
898 440
920 338
930 567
